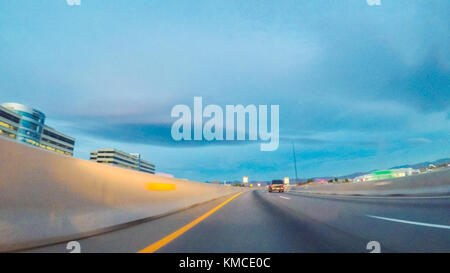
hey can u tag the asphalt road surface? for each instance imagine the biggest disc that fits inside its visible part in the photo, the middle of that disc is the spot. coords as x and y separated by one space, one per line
258 221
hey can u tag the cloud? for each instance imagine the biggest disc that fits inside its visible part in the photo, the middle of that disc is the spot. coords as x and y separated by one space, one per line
324 142
419 140
353 82
425 87
146 133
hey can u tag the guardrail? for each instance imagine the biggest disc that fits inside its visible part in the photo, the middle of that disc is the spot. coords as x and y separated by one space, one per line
48 198
433 183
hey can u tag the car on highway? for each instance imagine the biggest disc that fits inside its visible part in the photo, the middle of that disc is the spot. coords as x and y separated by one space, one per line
276 185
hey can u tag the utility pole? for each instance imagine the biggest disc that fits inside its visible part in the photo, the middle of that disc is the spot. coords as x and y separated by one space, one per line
295 162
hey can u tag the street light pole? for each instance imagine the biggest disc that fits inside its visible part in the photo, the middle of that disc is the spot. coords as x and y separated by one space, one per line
295 162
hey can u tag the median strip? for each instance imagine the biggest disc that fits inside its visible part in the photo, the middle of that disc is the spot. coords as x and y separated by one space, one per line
164 241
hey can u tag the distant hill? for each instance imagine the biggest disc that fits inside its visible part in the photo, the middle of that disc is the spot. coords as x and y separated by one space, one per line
423 164
414 166
353 175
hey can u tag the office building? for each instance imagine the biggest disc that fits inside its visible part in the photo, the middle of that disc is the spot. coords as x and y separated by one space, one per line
9 123
122 159
27 125
52 139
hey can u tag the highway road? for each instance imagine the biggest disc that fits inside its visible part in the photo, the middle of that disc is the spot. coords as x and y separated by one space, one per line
257 221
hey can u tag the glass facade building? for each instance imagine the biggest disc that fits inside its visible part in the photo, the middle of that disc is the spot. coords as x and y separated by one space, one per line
31 121
122 159
28 126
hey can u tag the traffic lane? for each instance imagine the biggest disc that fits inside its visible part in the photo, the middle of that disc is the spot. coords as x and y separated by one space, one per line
135 238
428 209
355 215
253 223
263 222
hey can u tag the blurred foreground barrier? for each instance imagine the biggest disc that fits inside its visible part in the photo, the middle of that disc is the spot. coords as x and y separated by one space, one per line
433 183
47 198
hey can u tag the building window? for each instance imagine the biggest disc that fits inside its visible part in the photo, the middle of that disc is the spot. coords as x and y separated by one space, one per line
10 117
59 137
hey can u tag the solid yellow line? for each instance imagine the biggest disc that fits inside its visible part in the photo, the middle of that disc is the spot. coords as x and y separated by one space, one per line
157 245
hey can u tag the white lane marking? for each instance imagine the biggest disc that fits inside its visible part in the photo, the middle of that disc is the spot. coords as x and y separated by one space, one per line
410 222
285 197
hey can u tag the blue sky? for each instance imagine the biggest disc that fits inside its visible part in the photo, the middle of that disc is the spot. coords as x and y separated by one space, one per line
359 87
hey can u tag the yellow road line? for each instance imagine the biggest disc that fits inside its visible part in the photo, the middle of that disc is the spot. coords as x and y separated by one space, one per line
157 245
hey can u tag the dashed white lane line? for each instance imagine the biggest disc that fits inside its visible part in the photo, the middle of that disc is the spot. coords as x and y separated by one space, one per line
410 222
285 197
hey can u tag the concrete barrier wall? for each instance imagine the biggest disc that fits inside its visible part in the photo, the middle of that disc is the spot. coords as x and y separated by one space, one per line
46 197
434 183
